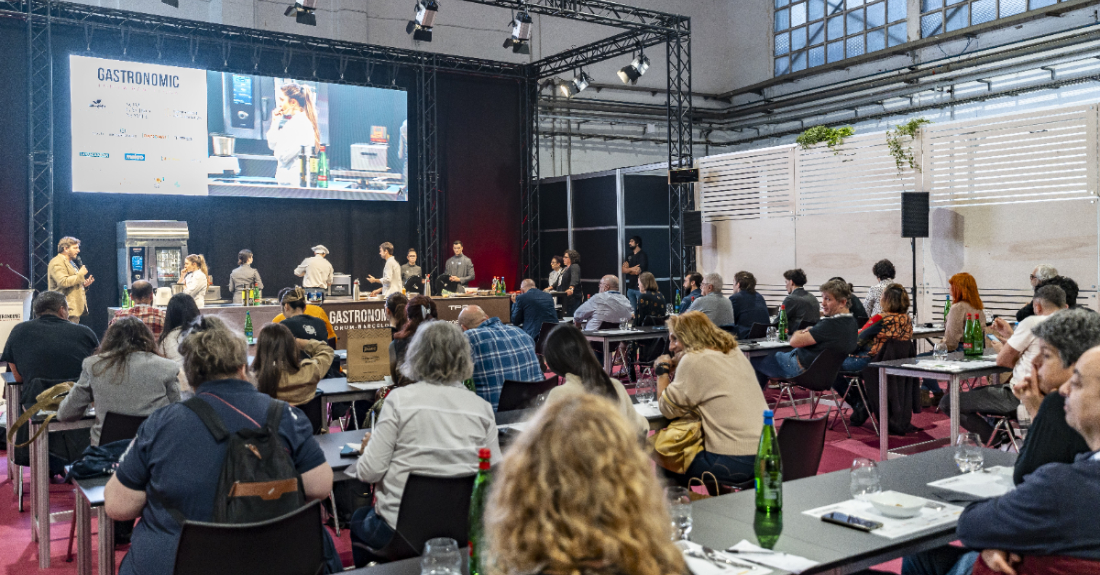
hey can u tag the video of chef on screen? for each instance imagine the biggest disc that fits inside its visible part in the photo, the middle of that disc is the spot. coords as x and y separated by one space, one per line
155 129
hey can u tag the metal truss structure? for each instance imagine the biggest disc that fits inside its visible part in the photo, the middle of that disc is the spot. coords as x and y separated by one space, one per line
133 35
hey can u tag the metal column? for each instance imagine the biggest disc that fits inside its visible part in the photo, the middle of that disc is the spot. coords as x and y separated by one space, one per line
530 256
681 197
40 245
428 224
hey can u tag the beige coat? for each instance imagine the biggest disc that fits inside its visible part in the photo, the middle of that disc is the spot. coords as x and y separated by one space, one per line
65 279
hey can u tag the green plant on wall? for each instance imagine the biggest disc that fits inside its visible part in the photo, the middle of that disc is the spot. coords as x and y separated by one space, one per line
903 154
817 134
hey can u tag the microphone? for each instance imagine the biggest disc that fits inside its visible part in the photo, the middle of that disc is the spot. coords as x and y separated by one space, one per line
10 269
79 263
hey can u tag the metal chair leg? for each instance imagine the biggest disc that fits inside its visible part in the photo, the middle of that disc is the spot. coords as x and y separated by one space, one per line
335 517
863 396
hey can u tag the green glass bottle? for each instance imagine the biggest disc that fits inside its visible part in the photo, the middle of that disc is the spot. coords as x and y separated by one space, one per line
979 337
503 286
769 469
477 509
782 328
968 335
126 302
946 308
767 527
248 328
255 295
678 300
322 168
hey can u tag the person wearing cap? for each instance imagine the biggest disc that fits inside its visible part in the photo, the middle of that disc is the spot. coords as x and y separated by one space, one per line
315 272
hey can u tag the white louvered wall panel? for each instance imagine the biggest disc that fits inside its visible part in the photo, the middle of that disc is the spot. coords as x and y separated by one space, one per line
755 184
861 177
1039 156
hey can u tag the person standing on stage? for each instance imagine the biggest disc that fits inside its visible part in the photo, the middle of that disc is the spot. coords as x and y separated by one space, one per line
459 269
571 282
195 279
244 277
635 264
556 269
315 272
391 274
69 278
410 269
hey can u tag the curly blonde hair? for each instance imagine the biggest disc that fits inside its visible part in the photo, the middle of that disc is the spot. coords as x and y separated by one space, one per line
577 494
696 332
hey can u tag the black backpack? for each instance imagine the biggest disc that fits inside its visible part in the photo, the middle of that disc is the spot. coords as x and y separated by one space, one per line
258 480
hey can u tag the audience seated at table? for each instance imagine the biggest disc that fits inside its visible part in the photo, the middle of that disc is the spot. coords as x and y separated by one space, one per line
800 305
302 324
1040 275
749 307
715 380
692 289
892 323
1016 350
532 308
500 352
569 355
1051 514
1067 284
181 311
420 309
712 303
854 305
48 347
576 495
125 376
141 294
1063 338
395 311
652 308
964 301
174 464
837 332
606 306
309 310
278 369
884 273
434 426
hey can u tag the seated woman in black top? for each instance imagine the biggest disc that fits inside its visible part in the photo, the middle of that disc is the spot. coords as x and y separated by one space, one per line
651 304
749 306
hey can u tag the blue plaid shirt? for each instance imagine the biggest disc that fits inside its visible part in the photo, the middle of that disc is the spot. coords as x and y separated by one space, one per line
501 352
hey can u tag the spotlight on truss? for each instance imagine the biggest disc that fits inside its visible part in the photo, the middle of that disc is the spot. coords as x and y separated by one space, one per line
576 85
421 27
629 74
303 12
520 40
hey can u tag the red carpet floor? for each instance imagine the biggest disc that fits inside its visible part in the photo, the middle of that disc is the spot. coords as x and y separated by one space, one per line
18 555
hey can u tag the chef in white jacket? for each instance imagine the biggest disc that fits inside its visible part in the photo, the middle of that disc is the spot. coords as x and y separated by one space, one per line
293 125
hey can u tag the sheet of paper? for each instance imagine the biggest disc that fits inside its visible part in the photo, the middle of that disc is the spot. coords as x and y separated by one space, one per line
518 426
693 555
784 561
767 344
953 366
648 410
892 528
367 385
990 482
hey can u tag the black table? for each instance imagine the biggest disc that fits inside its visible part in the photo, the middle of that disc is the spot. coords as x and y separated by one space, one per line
337 389
606 337
332 443
721 522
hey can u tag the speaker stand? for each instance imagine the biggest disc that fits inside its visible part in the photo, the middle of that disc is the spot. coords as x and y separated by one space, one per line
914 241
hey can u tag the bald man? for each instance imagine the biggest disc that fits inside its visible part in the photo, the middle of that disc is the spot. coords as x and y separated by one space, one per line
500 352
607 306
533 308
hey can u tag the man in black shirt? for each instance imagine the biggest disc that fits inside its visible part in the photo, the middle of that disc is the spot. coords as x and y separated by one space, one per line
838 333
303 325
49 346
636 263
801 305
1062 339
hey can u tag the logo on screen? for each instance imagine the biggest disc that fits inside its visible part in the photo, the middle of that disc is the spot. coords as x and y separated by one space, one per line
183 138
370 348
97 104
169 159
135 157
95 154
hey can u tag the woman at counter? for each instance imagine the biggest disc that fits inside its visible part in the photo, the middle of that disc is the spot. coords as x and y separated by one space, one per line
555 274
194 279
244 277
293 126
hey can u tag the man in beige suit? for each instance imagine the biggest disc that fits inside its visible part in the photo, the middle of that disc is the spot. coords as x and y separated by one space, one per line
67 279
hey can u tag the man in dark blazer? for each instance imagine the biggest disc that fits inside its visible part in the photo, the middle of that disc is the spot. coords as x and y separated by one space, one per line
532 308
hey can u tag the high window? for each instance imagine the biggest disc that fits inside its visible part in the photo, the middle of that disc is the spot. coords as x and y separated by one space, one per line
811 33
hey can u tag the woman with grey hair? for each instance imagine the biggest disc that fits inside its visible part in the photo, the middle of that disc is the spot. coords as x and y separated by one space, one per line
434 426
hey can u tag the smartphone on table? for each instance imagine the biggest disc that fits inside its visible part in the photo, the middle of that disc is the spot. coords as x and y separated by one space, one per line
851 521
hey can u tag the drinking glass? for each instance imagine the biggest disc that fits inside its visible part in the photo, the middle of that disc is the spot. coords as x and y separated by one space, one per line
669 309
679 510
968 453
773 334
646 390
939 352
865 479
441 557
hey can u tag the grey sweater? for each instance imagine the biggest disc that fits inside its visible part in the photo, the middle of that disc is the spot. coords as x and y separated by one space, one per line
145 383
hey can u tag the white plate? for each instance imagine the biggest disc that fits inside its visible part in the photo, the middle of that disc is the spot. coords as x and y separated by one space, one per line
895 504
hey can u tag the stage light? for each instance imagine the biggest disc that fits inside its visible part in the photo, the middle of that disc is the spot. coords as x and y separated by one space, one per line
576 85
421 27
303 12
520 40
630 74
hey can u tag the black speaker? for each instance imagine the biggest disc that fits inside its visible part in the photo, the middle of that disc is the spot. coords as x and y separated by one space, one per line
914 215
693 228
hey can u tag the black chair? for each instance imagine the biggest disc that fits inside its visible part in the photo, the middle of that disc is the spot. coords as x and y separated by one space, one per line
801 443
818 378
521 394
117 427
855 381
758 331
314 412
430 507
730 329
547 327
290 545
805 324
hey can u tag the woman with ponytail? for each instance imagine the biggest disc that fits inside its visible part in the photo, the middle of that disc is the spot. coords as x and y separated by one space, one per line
293 126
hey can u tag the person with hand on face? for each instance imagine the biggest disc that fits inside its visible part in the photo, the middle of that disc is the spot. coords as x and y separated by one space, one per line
459 269
391 274
69 278
279 370
195 279
293 126
635 264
